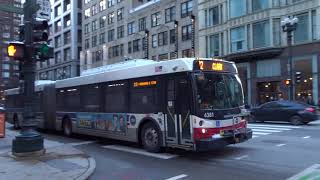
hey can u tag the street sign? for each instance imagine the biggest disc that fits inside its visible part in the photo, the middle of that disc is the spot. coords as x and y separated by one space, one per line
45 9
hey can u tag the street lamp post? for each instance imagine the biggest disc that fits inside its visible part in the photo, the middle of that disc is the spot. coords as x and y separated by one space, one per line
289 25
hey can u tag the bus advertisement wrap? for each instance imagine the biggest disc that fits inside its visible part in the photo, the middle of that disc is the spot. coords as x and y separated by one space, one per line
104 122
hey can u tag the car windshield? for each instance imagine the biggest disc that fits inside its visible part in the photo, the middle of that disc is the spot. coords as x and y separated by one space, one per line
219 91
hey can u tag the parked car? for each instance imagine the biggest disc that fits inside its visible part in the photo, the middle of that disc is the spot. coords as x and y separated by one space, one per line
296 113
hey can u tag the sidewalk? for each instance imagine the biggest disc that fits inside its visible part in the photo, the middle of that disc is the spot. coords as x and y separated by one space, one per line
61 161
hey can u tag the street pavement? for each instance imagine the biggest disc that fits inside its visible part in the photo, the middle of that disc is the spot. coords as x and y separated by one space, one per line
277 151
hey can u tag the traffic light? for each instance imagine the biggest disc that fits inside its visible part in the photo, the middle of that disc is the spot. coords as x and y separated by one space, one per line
287 82
16 50
42 50
298 77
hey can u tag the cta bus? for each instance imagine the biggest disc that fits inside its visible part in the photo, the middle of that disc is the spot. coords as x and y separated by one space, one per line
193 104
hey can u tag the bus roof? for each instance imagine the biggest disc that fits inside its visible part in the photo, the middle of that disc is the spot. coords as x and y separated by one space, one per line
130 69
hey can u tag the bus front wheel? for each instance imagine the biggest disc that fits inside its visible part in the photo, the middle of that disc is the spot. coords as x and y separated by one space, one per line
151 138
67 128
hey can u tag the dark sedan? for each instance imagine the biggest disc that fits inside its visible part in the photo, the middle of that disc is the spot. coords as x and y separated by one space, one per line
296 113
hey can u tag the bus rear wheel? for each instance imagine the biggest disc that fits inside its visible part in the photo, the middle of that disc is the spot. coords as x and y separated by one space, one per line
151 138
67 128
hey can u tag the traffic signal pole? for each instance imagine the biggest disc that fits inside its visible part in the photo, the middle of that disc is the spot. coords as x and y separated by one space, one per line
29 141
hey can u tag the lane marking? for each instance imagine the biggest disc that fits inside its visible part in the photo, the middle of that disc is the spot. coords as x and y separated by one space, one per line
271 128
254 136
241 157
82 143
312 172
280 145
140 151
306 137
177 177
265 130
276 126
259 133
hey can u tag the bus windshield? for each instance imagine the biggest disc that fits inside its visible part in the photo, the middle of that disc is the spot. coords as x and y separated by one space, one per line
218 91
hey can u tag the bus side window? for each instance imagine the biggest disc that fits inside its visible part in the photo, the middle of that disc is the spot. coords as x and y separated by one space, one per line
116 97
90 98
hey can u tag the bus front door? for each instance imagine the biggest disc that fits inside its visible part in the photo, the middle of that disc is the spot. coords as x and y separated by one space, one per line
178 124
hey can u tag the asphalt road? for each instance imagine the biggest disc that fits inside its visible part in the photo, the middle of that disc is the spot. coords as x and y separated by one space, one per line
277 151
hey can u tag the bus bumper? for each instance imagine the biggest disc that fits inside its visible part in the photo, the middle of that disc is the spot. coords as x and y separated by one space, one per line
230 138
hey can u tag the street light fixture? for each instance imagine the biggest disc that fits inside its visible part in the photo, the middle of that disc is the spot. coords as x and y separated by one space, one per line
289 25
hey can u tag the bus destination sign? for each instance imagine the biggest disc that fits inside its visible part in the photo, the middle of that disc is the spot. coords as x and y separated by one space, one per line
209 65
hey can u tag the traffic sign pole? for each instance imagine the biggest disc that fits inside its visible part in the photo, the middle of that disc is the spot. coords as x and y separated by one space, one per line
29 141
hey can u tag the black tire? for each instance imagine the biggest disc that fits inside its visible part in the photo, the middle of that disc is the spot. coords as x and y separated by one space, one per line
67 128
16 124
296 120
151 138
306 122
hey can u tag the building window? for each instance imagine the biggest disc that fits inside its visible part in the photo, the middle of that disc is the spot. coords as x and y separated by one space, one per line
186 32
142 24
155 19
301 33
102 21
86 44
5 74
214 45
120 14
67 21
186 9
238 39
57 26
110 3
172 36
163 57
120 32
102 38
97 56
261 34
86 1
86 28
102 5
130 47
154 41
67 37
314 25
110 35
6 66
57 10
110 18
57 57
238 8
187 53
213 16
94 25
258 5
94 41
163 38
67 5
136 45
131 29
67 54
57 41
94 9
87 13
276 32
170 14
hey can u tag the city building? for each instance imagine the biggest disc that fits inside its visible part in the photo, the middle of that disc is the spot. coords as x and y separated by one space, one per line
9 69
65 37
119 30
250 33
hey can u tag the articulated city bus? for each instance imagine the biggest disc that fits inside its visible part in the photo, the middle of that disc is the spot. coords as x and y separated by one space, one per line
193 104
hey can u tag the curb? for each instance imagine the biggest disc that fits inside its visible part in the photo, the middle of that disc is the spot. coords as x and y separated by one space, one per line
90 170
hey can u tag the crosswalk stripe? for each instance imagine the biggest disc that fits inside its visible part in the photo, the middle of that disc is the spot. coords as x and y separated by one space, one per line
140 151
265 130
260 133
275 126
280 129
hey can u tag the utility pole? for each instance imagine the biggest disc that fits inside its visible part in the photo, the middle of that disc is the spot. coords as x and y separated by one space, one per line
33 48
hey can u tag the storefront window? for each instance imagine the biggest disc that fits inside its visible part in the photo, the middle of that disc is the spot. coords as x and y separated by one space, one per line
269 91
243 74
304 87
